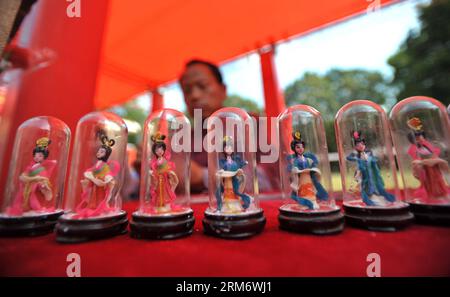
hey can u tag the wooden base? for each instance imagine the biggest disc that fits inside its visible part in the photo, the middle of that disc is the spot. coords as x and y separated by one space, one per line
162 227
319 223
234 226
378 219
431 214
81 230
28 225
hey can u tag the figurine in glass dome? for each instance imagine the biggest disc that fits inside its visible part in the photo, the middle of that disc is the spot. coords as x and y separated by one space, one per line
229 195
163 178
98 182
427 165
370 185
35 186
164 210
305 184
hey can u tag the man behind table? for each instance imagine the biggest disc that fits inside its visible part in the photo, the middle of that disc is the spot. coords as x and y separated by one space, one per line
203 88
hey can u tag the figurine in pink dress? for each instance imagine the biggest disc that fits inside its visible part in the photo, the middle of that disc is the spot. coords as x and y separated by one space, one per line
427 166
35 190
98 183
163 177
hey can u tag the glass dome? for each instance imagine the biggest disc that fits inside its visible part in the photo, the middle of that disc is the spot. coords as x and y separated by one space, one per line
165 168
37 171
35 186
366 158
233 210
164 209
304 165
421 134
233 186
308 205
9 91
98 164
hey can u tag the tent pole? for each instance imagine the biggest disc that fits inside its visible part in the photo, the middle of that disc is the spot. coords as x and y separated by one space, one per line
273 97
157 100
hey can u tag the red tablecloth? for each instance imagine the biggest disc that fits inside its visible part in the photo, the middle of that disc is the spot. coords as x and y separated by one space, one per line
416 251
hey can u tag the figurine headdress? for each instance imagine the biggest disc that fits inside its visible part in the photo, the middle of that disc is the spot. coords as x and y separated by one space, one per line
227 139
297 135
415 124
107 142
158 142
43 142
107 145
357 137
158 137
297 138
42 146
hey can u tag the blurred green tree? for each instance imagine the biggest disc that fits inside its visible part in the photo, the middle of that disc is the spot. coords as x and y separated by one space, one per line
132 111
329 92
244 103
422 64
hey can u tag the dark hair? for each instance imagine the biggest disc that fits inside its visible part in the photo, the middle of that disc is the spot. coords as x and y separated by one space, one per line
43 150
108 151
226 143
106 145
356 141
412 136
357 138
157 145
296 139
212 67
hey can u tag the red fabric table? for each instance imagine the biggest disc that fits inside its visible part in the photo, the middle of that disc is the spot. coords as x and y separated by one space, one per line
416 251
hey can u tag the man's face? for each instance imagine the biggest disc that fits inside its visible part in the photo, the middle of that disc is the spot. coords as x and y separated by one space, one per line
201 90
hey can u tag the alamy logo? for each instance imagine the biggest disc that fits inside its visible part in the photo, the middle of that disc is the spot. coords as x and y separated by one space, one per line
373 6
374 268
217 129
74 267
74 9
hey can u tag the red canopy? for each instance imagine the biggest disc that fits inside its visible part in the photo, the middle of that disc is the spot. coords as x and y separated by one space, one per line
147 42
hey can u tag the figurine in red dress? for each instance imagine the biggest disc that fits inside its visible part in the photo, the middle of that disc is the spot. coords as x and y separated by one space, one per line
427 166
35 187
163 178
98 183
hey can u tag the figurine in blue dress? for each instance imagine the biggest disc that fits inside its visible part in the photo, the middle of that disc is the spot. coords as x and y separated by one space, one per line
370 185
231 179
305 175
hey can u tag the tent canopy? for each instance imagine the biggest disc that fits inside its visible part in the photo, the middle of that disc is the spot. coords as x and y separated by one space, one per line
147 42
